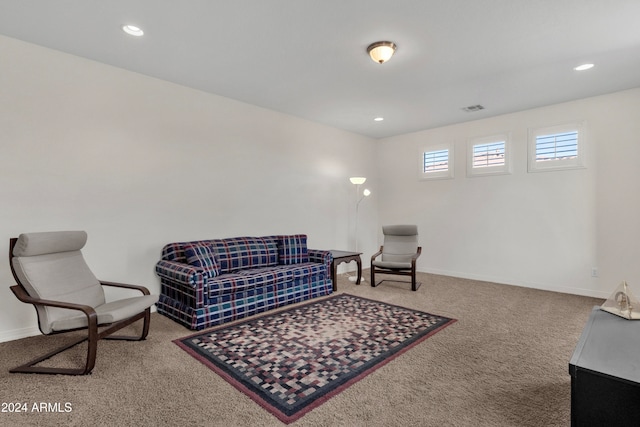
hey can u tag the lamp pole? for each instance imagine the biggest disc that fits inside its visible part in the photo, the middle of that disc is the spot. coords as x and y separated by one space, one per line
365 193
358 180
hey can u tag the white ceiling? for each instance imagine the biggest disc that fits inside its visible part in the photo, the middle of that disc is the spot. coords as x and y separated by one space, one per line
308 57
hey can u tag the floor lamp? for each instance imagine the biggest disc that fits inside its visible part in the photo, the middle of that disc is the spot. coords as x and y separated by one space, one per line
358 181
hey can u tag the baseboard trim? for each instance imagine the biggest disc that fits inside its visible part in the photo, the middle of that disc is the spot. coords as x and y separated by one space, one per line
32 331
503 281
17 334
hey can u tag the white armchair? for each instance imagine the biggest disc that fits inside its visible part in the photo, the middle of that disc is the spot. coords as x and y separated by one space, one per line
399 253
51 274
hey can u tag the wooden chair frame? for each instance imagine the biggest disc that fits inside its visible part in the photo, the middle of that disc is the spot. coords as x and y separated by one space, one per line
396 271
93 334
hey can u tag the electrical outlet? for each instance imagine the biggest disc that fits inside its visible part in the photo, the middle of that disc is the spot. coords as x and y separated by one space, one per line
594 271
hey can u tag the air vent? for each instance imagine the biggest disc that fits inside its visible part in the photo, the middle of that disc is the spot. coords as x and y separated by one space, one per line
472 108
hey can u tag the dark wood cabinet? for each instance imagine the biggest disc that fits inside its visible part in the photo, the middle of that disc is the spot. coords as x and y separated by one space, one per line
605 372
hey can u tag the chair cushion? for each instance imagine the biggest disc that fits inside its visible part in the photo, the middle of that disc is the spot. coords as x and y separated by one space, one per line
50 266
107 313
400 243
392 265
400 230
202 258
32 244
62 277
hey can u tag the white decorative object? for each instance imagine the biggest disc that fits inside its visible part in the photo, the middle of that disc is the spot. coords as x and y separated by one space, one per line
623 303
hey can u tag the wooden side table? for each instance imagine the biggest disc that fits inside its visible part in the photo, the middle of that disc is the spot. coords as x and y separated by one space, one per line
344 256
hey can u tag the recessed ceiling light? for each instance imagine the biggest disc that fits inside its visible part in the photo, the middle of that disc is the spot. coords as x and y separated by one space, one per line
132 30
583 67
379 119
472 108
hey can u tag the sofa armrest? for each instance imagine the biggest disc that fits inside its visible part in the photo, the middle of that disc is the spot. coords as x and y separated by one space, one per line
321 256
178 272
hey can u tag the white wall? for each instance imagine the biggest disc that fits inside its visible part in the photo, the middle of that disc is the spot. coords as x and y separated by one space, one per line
544 230
138 162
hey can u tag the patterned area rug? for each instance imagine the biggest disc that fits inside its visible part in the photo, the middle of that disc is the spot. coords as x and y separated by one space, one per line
293 361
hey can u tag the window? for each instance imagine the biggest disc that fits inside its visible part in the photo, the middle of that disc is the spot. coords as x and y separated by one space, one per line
488 155
437 162
556 147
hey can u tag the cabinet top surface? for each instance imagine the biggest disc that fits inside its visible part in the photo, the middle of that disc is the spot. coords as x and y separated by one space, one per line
609 344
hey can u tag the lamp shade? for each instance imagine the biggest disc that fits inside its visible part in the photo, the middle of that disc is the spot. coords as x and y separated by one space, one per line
381 52
357 180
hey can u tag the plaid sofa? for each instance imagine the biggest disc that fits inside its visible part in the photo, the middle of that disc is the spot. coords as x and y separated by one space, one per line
209 282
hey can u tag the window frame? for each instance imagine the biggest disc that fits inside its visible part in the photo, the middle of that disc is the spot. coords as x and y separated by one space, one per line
558 164
503 169
446 174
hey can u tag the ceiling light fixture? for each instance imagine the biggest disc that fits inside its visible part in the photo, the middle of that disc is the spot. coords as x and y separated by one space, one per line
583 67
473 108
132 30
381 52
378 119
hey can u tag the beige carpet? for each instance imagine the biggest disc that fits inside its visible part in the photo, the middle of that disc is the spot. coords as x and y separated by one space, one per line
504 363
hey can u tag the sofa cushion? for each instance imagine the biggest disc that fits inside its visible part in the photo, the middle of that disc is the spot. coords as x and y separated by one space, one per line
242 280
201 257
292 249
238 253
174 252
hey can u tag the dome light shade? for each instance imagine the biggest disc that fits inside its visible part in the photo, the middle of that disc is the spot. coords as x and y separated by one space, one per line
381 52
357 180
